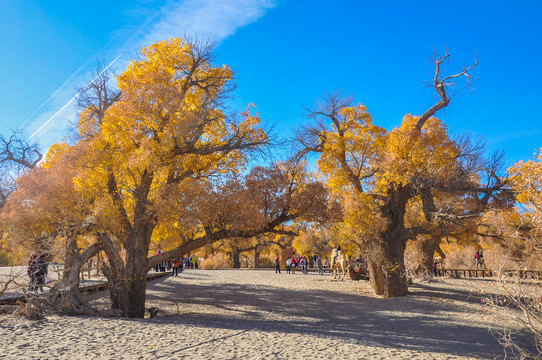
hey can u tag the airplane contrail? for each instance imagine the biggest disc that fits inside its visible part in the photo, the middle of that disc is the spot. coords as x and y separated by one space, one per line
62 86
72 99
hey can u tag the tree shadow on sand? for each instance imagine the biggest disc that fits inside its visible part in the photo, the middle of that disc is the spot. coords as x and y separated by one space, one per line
419 322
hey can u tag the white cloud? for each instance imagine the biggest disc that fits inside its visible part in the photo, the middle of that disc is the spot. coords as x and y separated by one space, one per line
206 18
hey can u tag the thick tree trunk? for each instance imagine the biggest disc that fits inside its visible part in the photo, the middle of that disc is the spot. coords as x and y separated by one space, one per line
136 290
117 289
425 247
69 256
256 258
235 258
130 276
114 272
65 297
127 288
131 292
387 271
128 280
386 261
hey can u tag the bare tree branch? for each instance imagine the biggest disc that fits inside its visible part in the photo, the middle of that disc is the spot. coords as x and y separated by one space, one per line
440 87
16 151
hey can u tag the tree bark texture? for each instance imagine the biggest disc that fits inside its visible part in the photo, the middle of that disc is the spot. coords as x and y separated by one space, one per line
128 279
65 297
386 261
256 258
426 248
387 267
69 255
235 258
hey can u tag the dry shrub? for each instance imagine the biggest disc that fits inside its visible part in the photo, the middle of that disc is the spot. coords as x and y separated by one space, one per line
266 262
413 263
497 257
33 309
534 261
216 261
246 261
11 279
460 258
520 303
413 257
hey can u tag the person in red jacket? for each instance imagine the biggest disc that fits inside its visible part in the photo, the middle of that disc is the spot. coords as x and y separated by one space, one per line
277 265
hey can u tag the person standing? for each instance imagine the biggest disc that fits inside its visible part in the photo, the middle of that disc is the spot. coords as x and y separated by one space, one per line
435 268
288 265
481 259
477 260
157 266
303 262
41 272
320 266
31 270
175 266
277 265
334 260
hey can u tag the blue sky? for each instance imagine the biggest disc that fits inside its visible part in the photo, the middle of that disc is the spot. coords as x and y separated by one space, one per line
287 54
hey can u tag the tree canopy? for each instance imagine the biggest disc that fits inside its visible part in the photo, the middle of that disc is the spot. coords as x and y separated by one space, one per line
396 185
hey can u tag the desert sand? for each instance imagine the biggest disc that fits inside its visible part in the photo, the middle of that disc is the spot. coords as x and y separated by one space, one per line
257 314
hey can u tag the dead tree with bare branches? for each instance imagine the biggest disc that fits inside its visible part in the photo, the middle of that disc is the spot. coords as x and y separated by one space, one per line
16 156
93 101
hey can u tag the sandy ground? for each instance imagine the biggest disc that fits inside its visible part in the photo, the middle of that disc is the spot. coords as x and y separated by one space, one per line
257 314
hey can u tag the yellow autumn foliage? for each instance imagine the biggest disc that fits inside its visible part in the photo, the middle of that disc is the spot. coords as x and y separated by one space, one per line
167 126
361 163
526 178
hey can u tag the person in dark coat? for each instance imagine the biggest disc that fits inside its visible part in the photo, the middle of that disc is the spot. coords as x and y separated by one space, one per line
277 265
41 272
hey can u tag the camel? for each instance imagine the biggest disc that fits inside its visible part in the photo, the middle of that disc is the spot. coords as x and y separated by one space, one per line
338 262
358 273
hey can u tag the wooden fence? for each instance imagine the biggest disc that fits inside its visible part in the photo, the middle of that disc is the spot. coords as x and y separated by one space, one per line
483 273
83 288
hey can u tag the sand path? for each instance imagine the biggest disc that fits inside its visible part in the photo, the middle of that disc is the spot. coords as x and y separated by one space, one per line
246 314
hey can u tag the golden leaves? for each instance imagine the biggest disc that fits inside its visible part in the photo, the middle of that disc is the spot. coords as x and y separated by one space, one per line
353 147
526 178
362 163
409 152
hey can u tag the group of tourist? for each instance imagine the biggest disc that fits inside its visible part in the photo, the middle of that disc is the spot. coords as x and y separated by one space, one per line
37 272
37 268
302 263
176 265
